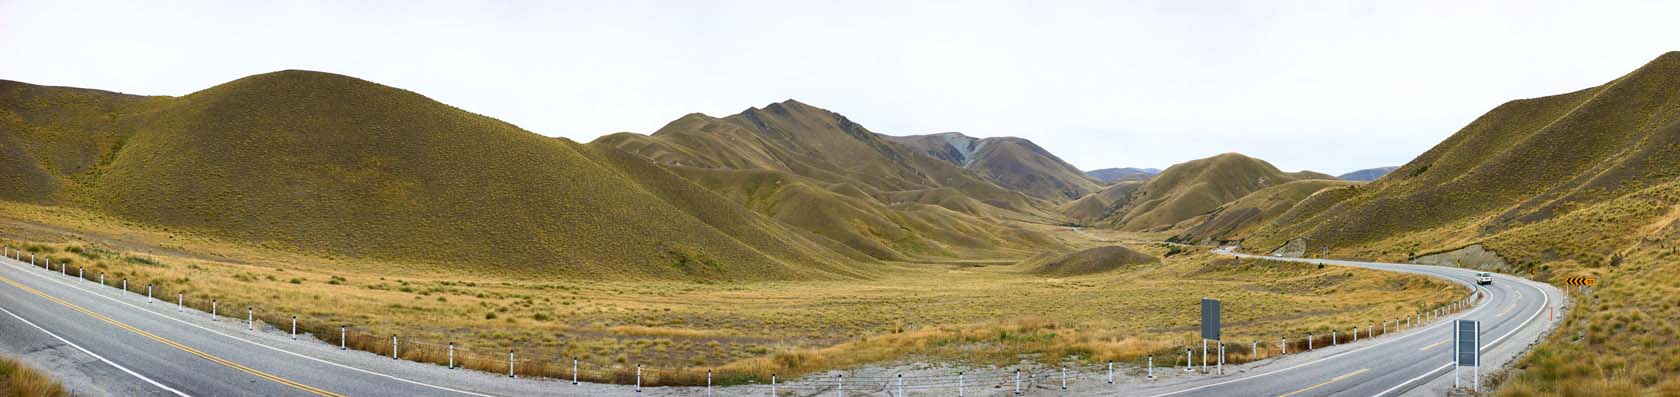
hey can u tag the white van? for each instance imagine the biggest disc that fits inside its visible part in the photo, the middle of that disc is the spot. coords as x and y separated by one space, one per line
1484 278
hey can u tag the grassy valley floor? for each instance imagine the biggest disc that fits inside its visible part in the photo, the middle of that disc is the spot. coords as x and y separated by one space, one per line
981 313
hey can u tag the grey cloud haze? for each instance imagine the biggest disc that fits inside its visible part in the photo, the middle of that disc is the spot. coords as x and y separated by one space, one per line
1327 86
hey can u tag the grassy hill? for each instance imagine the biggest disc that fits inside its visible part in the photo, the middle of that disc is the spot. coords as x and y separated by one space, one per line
327 163
1086 261
821 172
1014 163
1098 205
1233 221
1196 187
1582 183
1112 175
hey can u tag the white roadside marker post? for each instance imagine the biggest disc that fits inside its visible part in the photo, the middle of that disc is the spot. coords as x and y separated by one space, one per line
510 369
1332 337
900 386
180 302
79 275
638 378
393 347
343 331
1189 361
101 279
1111 372
1283 346
1064 378
1151 365
148 294
574 371
1220 366
1018 376
1309 342
212 310
452 355
125 286
773 385
250 318
708 383
294 327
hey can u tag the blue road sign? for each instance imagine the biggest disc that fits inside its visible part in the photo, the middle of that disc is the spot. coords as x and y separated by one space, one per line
1210 319
1467 342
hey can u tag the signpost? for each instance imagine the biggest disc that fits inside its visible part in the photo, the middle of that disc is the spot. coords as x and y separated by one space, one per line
1210 330
1467 352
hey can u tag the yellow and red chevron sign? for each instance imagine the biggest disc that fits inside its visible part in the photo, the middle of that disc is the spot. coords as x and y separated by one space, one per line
1582 281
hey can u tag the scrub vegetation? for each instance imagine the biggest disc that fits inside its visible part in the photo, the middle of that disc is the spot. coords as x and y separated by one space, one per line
20 380
960 313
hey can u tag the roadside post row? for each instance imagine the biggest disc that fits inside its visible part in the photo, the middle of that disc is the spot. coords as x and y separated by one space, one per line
515 364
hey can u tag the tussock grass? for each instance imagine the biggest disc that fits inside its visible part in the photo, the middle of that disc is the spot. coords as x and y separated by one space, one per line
958 313
1194 188
20 380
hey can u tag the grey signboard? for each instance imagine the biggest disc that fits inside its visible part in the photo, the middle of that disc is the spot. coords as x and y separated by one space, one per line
1467 343
1210 319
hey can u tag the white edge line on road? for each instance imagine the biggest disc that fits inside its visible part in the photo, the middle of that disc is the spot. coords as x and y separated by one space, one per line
1546 301
1415 332
91 353
392 377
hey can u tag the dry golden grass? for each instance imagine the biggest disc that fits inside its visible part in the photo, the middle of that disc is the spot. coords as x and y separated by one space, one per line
969 313
20 380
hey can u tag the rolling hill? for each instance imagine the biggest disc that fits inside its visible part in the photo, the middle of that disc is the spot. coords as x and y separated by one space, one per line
1233 221
1194 188
821 172
1585 183
1086 261
1367 175
1112 175
326 163
1014 163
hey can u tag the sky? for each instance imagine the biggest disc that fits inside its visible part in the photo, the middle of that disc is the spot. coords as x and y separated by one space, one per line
1330 86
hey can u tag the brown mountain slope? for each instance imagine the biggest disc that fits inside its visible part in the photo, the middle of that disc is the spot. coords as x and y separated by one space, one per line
1194 188
1585 183
326 163
1524 162
1014 163
819 171
1233 221
1098 205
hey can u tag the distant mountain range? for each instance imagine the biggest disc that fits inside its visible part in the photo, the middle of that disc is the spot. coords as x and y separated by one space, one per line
1368 174
1111 175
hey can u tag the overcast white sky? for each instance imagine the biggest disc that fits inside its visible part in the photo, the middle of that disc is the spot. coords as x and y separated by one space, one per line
1330 86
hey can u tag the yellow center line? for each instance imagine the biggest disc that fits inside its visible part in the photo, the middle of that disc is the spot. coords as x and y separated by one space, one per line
1332 380
1432 346
185 348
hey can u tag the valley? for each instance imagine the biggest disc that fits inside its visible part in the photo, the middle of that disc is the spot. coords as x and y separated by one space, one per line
791 240
963 313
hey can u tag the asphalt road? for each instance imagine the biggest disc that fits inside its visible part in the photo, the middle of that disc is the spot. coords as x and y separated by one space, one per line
1513 315
101 341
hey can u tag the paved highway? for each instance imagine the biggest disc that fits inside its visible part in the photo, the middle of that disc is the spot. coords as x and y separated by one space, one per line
101 341
1513 313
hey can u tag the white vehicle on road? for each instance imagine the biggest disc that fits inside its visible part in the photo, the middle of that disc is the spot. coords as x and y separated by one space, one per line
1484 278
